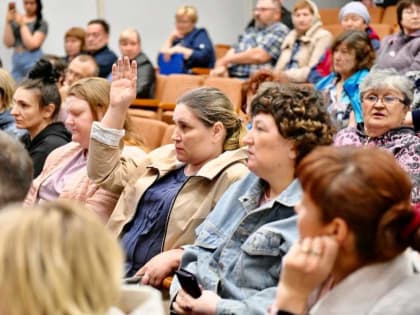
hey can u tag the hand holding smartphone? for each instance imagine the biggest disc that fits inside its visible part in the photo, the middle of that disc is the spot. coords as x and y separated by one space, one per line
188 282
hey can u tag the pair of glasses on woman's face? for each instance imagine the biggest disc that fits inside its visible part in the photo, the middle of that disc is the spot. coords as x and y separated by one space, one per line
388 100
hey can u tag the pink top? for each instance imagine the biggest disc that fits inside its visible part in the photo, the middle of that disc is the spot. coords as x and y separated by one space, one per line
54 185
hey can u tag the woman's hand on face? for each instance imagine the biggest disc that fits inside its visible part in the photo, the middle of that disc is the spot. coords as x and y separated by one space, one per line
159 267
206 304
123 85
306 265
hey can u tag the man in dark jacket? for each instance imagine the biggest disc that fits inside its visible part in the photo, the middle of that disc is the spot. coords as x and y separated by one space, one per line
97 37
130 46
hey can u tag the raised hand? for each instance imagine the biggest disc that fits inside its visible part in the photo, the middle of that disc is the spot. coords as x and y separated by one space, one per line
123 85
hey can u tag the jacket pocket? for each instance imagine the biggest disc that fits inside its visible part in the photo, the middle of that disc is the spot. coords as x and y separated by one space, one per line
209 236
261 259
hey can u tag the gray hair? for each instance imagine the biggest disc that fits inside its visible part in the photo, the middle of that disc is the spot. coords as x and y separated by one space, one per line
388 79
210 105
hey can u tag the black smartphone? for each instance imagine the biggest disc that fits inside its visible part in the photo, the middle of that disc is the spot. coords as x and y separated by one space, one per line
132 280
188 282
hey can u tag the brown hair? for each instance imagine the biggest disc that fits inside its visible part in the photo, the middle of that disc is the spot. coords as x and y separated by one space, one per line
79 33
210 105
300 115
256 80
367 189
360 43
303 4
404 4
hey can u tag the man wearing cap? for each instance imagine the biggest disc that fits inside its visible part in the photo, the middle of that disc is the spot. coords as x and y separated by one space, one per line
353 16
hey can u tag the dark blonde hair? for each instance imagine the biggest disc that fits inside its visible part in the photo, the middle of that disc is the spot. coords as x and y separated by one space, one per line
57 258
7 88
210 105
95 91
300 115
189 11
367 189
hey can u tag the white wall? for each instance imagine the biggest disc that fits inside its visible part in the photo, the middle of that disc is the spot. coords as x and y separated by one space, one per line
224 19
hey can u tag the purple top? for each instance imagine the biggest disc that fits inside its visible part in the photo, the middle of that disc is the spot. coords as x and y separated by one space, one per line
402 143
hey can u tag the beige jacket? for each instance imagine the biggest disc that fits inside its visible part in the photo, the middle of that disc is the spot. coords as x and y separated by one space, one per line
195 200
139 300
80 188
314 43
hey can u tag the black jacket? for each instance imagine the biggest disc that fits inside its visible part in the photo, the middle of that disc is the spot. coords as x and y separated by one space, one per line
53 136
146 77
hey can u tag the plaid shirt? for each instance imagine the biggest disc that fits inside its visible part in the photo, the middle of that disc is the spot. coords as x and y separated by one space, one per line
269 39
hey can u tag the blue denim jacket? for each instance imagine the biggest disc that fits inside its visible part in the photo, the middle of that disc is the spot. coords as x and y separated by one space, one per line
239 247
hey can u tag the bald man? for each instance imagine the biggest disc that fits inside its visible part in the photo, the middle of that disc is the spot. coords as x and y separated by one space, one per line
82 66
130 46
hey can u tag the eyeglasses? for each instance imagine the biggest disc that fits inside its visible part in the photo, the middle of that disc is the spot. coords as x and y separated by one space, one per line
388 100
263 9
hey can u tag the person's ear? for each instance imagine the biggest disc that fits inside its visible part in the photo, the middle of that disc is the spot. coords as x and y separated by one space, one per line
48 111
338 229
218 131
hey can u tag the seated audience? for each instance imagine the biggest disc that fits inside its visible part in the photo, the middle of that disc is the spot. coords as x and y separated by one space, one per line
169 193
353 56
305 44
25 33
15 170
36 104
130 46
74 43
355 223
61 260
386 97
97 37
353 16
259 47
64 174
7 121
401 51
238 249
193 43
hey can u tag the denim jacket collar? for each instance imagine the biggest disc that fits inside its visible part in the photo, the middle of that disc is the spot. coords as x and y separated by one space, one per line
288 197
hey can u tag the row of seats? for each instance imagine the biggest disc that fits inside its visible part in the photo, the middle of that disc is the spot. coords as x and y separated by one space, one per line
170 88
155 133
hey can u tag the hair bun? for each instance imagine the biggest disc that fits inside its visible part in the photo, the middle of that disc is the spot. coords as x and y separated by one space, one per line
45 71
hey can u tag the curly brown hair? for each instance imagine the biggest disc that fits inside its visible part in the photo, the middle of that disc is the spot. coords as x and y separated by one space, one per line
300 115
